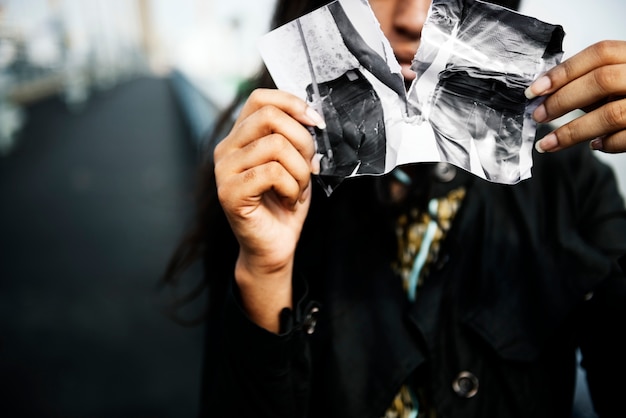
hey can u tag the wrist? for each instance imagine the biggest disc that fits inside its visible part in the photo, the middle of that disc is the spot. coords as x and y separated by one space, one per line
265 291
255 269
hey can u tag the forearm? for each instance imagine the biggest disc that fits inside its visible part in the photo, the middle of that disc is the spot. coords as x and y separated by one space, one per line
265 293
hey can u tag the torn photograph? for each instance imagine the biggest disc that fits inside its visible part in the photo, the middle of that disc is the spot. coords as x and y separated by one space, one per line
466 105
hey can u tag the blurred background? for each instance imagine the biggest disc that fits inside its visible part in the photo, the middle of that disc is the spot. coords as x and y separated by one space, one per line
103 107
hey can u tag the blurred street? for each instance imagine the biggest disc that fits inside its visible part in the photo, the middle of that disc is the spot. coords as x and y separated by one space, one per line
92 205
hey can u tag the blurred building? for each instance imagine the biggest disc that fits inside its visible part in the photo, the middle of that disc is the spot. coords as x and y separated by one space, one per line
72 47
66 48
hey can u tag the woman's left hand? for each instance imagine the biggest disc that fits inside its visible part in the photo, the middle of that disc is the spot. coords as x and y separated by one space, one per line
594 81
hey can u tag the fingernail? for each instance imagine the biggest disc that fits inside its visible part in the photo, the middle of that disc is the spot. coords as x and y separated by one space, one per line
315 117
540 114
597 144
547 143
315 163
538 87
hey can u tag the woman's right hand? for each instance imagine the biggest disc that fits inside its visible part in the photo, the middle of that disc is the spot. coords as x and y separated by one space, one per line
263 174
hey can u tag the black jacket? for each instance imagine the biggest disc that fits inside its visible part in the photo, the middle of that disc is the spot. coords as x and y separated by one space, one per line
527 274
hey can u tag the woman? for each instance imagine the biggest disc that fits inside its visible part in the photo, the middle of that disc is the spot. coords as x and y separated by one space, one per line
428 292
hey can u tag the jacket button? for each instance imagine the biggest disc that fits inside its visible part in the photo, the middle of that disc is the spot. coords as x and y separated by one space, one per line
310 320
465 385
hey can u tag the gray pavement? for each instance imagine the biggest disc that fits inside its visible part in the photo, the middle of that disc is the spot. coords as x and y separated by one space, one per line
91 206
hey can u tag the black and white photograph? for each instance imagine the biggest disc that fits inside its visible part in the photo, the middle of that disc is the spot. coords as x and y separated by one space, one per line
474 63
479 56
338 59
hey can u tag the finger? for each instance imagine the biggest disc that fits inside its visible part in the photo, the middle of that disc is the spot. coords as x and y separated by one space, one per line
610 144
586 92
244 140
604 121
595 56
287 102
269 120
244 190
274 147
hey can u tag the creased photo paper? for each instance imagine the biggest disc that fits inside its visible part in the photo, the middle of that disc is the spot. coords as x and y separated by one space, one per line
465 107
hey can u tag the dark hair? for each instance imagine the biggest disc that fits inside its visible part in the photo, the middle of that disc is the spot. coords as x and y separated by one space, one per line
210 234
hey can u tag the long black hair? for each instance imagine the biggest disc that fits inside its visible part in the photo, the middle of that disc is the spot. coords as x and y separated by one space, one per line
209 237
